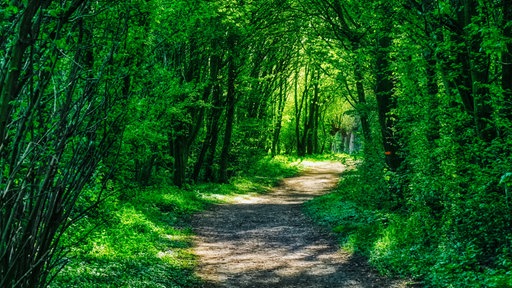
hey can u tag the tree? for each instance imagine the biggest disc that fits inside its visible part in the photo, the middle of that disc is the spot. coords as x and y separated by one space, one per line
506 58
384 86
342 23
62 90
231 99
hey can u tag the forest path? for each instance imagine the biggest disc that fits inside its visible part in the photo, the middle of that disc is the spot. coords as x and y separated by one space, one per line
267 241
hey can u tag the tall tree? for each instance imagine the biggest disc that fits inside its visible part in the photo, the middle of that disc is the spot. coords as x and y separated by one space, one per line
384 86
506 58
231 99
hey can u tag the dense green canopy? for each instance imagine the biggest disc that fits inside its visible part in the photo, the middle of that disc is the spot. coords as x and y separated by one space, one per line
99 95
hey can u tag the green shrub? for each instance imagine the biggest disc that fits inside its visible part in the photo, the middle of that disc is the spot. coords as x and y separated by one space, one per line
142 244
440 237
142 237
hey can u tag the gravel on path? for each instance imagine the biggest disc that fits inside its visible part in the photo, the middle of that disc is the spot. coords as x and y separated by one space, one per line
266 240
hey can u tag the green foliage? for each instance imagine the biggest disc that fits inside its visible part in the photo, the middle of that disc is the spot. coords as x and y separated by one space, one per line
418 244
337 157
274 169
356 225
142 243
204 90
143 239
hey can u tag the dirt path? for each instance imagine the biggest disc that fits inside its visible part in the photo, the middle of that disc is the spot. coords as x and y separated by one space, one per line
266 241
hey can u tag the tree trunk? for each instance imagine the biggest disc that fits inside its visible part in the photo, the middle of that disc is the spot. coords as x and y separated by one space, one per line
385 101
183 133
479 65
299 103
179 151
472 78
282 96
209 146
9 81
506 59
230 110
312 119
43 174
361 98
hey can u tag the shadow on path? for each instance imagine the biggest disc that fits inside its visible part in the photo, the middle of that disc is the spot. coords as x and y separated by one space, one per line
266 241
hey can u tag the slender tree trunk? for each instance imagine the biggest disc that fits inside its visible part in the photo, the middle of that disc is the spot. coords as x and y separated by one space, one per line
479 65
200 158
312 119
45 174
282 96
184 134
317 114
431 32
299 104
385 101
213 136
433 103
506 59
209 145
361 97
473 76
9 81
230 110
204 146
179 151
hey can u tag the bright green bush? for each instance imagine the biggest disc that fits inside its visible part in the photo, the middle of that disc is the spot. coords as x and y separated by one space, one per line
143 243
443 236
142 237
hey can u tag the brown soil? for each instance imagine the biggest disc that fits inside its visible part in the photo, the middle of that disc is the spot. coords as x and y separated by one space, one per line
267 241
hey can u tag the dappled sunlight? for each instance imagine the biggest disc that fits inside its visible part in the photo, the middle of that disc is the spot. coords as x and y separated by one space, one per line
266 240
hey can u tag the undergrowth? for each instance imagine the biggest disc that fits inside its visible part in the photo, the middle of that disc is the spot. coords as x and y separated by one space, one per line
401 242
142 238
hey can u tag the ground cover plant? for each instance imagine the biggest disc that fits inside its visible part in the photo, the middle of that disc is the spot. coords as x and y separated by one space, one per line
143 239
398 242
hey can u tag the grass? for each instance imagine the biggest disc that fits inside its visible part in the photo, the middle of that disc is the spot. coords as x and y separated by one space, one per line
399 243
145 239
360 228
339 157
144 243
356 228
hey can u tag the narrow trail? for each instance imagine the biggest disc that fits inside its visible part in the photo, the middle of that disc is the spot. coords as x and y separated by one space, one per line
266 241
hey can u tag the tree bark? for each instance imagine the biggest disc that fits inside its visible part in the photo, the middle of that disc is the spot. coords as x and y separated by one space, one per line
230 110
209 146
43 174
479 65
361 97
281 101
506 59
299 107
9 84
472 79
385 101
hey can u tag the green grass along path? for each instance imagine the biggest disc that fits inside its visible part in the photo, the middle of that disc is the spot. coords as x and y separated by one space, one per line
267 241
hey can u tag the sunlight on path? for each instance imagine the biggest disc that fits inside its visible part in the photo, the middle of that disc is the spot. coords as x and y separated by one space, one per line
266 241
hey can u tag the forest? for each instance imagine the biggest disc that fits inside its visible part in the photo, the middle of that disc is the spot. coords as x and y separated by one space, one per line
120 119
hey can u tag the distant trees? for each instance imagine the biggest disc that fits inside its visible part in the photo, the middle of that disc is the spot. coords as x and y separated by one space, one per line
214 90
210 99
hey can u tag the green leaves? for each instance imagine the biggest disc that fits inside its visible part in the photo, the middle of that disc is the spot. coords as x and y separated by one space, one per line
506 179
8 11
